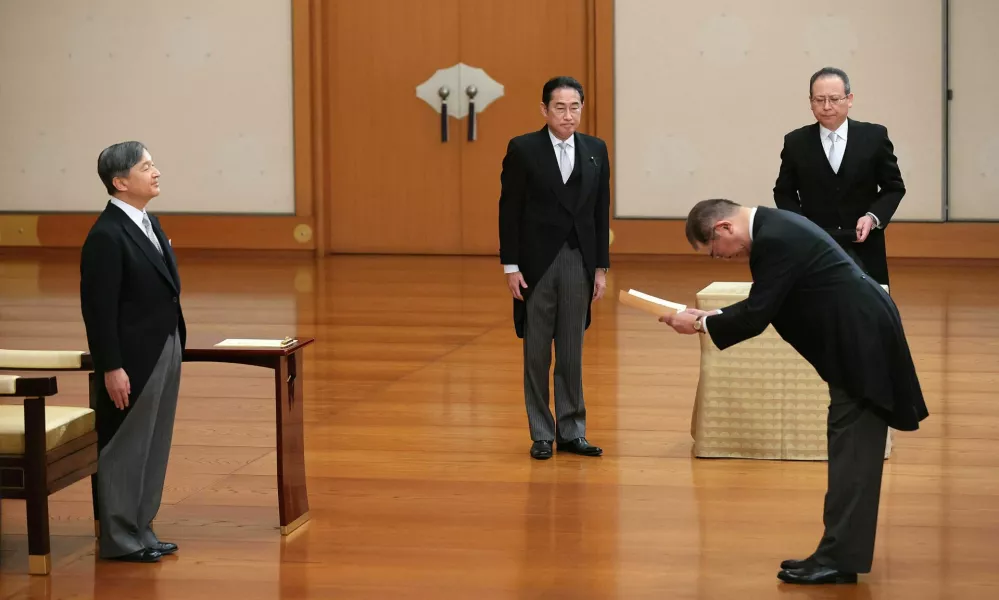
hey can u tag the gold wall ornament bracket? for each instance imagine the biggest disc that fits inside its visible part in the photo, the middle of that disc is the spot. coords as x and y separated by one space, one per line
303 233
19 230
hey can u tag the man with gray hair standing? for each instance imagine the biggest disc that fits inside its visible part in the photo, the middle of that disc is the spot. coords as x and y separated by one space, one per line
842 174
130 299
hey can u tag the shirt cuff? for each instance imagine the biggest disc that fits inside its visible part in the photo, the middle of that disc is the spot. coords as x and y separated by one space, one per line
510 269
704 320
877 221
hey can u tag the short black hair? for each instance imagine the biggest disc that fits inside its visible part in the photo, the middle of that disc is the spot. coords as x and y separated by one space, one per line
829 72
702 218
116 161
555 83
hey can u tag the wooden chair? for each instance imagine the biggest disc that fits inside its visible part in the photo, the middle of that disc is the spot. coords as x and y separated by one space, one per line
42 450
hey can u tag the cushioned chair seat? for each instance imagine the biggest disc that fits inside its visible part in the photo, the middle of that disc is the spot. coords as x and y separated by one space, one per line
40 359
62 424
66 454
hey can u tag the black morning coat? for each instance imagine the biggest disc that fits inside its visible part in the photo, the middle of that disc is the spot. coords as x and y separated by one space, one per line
836 316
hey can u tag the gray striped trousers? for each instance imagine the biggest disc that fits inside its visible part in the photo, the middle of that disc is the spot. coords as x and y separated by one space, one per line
556 310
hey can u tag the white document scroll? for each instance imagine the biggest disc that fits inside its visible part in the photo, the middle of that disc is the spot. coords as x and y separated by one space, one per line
252 343
650 304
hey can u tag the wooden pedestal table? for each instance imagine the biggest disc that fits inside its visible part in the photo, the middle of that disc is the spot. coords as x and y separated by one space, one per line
287 364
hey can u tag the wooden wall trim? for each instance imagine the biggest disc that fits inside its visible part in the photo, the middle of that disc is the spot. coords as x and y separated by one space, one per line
904 240
301 51
602 82
320 191
592 102
247 232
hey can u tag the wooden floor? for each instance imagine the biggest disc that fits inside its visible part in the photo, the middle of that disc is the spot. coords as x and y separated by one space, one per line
417 447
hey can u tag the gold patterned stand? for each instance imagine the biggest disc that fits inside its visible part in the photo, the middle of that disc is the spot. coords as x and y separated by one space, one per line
759 398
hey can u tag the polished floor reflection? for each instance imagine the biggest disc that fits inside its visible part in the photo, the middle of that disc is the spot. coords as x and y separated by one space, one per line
420 482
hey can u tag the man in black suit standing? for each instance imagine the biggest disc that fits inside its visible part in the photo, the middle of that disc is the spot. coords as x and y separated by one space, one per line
554 226
130 299
842 174
847 327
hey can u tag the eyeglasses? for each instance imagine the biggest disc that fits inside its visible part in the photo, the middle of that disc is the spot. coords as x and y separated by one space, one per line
821 100
562 110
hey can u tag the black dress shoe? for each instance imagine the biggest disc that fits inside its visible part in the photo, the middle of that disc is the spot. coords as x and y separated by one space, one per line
579 446
146 555
816 575
807 563
541 450
164 548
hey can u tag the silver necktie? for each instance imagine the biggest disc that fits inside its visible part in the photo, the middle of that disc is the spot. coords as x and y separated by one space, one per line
149 233
564 165
833 156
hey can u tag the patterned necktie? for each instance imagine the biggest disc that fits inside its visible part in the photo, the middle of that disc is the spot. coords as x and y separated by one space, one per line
149 233
564 165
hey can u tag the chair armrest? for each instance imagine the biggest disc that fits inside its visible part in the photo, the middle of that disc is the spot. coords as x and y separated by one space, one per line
28 387
45 360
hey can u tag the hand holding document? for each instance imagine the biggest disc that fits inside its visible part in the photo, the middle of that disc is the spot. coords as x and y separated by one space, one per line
650 304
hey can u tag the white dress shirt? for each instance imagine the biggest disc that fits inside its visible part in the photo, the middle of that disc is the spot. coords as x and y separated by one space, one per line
136 216
132 212
752 219
571 149
836 159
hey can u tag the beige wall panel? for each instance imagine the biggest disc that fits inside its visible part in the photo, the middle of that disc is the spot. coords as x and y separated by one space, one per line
705 91
974 129
206 85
